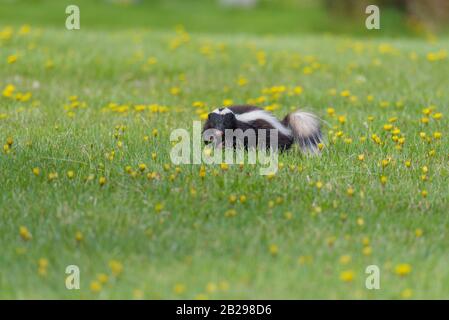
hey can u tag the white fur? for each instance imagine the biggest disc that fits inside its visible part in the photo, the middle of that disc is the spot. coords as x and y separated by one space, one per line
224 111
263 115
305 126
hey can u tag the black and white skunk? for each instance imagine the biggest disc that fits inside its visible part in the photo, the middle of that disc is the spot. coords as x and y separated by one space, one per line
299 126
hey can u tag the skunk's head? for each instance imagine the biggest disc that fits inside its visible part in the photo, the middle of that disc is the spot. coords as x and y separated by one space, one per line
217 122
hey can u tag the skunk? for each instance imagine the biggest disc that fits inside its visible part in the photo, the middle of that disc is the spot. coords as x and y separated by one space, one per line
299 126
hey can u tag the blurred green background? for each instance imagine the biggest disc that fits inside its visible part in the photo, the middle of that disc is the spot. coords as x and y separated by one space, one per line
398 17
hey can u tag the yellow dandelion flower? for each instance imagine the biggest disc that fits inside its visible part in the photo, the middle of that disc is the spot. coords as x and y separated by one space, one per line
406 293
43 263
158 207
345 93
367 251
179 288
211 287
347 276
342 119
52 176
12 58
102 278
116 267
437 135
102 181
419 232
403 269
350 191
36 171
95 286
345 259
175 91
230 213
273 249
330 111
24 233
79 236
360 222
288 215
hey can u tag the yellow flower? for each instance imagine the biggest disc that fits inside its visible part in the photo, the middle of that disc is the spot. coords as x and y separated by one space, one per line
158 207
406 294
230 213
9 91
138 294
345 93
142 167
347 276
383 180
345 259
116 267
350 191
297 90
288 215
12 58
43 263
242 81
70 174
361 157
102 278
424 193
95 286
224 166
319 184
232 198
179 288
175 91
273 249
79 236
36 171
211 287
419 232
24 233
403 269
367 251
242 198
228 102
102 181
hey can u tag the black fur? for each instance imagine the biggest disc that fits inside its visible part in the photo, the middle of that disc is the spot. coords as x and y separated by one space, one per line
229 121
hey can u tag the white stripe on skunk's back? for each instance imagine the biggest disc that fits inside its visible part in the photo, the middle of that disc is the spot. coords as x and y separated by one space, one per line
265 116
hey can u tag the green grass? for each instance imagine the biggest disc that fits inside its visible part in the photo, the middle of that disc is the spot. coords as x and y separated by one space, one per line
269 17
190 244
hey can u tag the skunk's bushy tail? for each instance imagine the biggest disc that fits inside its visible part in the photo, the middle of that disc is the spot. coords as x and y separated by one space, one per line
306 130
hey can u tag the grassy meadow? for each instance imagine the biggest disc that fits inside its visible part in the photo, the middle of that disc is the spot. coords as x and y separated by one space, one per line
86 177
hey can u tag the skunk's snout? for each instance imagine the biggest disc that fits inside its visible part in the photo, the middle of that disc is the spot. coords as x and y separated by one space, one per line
211 135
